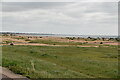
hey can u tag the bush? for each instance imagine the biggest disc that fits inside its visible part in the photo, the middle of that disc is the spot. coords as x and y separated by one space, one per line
101 42
27 39
7 42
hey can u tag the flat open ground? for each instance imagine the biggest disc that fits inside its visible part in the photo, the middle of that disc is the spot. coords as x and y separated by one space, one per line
54 57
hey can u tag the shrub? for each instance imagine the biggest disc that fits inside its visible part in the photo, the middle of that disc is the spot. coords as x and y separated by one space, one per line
101 42
27 39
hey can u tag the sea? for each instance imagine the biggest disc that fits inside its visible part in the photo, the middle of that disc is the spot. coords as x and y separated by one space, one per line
81 36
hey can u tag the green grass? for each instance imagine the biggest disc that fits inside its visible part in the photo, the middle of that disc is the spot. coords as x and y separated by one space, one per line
57 42
8 41
61 62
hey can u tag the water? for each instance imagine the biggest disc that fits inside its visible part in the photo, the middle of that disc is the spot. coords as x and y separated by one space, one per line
63 35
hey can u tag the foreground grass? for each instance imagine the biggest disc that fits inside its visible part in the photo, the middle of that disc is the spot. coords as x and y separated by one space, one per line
61 62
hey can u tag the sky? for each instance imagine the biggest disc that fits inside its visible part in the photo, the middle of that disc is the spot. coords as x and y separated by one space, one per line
77 18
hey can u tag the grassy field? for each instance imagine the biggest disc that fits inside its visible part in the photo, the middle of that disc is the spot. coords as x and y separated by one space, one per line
57 42
61 62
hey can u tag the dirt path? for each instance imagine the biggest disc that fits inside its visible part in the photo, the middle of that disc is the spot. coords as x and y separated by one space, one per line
37 44
9 75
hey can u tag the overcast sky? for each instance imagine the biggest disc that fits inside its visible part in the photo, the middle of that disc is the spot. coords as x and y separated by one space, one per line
83 18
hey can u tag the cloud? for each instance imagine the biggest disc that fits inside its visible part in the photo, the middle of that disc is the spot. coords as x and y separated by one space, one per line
60 0
23 6
61 17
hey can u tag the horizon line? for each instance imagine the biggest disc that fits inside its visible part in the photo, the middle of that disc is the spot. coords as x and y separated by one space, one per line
58 33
